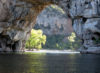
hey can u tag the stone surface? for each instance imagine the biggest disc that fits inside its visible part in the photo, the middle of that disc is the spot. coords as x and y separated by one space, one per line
17 17
16 20
53 21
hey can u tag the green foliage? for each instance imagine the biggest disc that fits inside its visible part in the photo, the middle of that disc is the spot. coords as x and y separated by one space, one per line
58 8
72 37
36 40
63 42
53 41
72 41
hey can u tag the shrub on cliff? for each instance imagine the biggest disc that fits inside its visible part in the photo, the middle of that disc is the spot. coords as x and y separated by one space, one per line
36 40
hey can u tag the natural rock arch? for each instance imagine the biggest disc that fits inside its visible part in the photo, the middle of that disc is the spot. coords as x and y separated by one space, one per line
17 17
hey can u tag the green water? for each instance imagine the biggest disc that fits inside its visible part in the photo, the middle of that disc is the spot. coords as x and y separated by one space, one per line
49 63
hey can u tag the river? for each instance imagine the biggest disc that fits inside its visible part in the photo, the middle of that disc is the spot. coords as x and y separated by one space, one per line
49 63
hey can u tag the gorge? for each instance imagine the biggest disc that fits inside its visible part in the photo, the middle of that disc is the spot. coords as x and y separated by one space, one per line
17 18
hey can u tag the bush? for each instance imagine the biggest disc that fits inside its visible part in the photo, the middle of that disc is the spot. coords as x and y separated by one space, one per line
36 40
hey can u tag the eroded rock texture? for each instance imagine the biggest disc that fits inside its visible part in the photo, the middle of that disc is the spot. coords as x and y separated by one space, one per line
54 21
17 17
16 20
86 17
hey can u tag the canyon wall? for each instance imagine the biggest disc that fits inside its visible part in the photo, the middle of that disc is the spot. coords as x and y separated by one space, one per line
17 18
53 21
86 16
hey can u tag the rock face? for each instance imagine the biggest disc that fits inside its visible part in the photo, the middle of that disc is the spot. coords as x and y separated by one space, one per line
53 21
16 21
86 15
17 17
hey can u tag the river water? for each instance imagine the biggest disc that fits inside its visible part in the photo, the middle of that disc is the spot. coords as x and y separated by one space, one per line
49 63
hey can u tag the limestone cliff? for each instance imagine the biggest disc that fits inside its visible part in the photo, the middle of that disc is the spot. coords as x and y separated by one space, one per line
16 20
53 21
86 16
17 17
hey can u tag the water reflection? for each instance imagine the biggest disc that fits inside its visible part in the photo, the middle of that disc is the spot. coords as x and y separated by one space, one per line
49 63
18 63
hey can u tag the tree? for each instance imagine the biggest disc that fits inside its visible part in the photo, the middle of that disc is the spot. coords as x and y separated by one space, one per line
36 40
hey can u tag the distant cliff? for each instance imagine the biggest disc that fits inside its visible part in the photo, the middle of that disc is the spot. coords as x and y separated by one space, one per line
53 21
